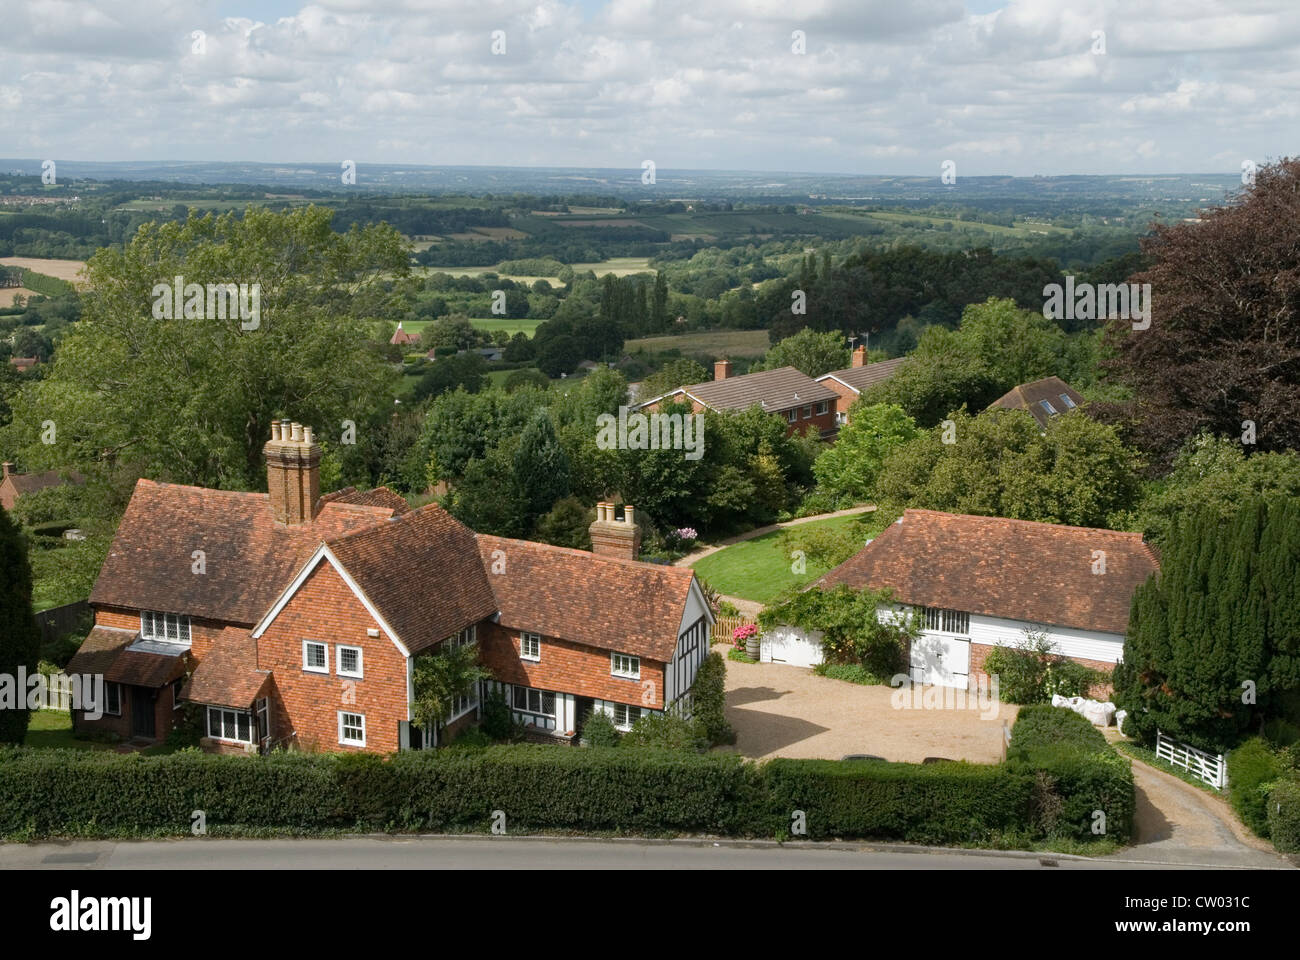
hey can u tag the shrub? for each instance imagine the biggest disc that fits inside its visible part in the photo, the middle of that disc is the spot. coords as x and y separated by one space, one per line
495 718
599 730
1280 733
1067 678
849 672
709 700
1020 674
1250 767
1041 725
666 731
1284 816
471 738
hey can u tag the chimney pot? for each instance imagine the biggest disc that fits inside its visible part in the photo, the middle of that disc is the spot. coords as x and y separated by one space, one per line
306 436
297 432
628 516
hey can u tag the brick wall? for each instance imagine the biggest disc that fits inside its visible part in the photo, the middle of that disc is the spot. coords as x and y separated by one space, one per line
304 705
203 633
568 667
846 396
980 651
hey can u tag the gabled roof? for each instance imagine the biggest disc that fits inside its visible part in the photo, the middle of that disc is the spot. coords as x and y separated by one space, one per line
378 497
602 602
247 556
1014 569
859 379
32 482
228 676
1028 396
422 573
778 389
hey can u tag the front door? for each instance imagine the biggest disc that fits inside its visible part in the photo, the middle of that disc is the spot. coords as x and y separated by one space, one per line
142 713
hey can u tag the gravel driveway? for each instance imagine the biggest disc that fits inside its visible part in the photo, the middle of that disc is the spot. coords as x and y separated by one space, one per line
783 711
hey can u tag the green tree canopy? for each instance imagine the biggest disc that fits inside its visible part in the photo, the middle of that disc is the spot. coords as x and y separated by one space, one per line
811 352
850 467
20 640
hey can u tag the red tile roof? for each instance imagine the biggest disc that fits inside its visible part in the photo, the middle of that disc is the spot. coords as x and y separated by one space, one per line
105 651
228 676
249 558
32 482
603 602
1014 569
422 572
378 497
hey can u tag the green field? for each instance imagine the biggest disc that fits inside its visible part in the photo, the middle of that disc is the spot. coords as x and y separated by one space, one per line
717 343
619 266
759 569
493 324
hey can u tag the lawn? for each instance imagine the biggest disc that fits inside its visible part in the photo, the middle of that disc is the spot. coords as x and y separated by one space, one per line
761 570
493 324
53 728
717 343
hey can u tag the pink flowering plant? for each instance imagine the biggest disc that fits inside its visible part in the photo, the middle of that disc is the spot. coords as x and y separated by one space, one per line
743 633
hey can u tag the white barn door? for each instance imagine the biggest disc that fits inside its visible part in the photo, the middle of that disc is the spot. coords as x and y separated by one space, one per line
940 660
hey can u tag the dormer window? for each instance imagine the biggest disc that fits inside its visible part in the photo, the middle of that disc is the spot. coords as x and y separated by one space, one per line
165 627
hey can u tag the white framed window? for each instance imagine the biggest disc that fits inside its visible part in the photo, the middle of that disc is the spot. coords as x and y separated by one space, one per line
262 708
822 407
794 415
349 661
164 627
623 665
944 620
624 716
534 701
352 729
841 418
464 638
530 646
235 726
463 705
807 412
113 699
315 656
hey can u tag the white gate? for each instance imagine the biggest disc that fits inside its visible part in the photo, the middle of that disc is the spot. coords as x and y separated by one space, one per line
1210 767
940 660
792 646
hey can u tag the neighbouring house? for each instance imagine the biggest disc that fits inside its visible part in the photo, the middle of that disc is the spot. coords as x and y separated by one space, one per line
401 338
1042 399
982 582
14 485
295 620
23 364
851 383
802 402
490 354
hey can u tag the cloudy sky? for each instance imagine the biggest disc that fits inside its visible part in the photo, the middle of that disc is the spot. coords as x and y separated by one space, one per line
883 86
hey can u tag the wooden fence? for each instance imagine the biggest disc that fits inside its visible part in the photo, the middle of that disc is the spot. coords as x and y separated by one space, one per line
1212 768
724 627
57 621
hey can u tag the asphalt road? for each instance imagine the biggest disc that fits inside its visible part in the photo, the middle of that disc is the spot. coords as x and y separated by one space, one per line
525 853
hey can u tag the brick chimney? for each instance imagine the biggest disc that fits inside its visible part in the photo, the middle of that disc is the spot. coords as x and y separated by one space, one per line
292 472
8 469
721 369
611 537
859 356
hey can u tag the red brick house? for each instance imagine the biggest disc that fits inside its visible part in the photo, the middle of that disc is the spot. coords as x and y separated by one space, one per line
294 619
802 402
401 338
14 485
851 383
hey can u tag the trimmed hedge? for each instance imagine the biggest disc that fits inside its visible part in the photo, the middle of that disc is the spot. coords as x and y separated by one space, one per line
1284 816
1049 790
709 700
1039 725
1250 767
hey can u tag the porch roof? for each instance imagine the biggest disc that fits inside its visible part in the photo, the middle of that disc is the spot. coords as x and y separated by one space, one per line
229 675
110 651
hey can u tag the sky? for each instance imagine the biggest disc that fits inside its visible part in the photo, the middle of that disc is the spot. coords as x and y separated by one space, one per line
1018 87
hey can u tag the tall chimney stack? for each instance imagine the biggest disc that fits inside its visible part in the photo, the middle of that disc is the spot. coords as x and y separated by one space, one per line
860 356
292 472
611 537
721 369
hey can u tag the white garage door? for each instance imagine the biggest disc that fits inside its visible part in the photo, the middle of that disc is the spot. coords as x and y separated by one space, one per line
788 645
942 661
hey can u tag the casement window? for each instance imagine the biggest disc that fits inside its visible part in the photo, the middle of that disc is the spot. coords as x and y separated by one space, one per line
622 665
113 699
166 627
262 708
315 657
624 716
233 725
530 646
534 701
463 705
1069 404
464 638
794 415
1047 405
349 661
944 620
352 729
822 407
807 412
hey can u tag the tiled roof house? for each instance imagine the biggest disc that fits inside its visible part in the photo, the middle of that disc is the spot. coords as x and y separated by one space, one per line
14 485
851 383
802 402
1042 399
294 619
